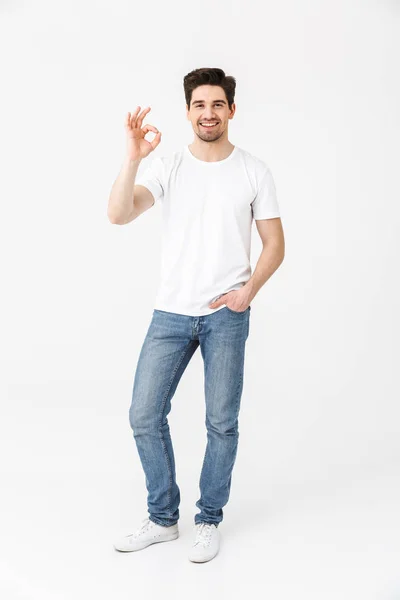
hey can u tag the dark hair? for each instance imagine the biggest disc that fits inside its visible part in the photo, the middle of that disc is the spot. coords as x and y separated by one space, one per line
208 76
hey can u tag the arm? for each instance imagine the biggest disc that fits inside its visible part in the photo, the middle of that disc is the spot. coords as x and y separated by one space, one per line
127 201
271 257
120 203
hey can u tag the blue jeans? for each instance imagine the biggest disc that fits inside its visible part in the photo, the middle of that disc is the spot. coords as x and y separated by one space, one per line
170 342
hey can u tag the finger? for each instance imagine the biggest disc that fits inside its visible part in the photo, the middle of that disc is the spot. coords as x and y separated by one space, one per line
216 302
134 117
142 115
148 128
128 120
154 143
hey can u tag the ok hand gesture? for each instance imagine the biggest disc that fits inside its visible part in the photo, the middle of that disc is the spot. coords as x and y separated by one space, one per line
137 146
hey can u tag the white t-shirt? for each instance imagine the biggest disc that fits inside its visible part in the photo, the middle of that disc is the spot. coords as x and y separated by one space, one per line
208 208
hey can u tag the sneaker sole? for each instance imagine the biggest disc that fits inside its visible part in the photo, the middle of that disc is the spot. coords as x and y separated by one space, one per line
169 538
202 560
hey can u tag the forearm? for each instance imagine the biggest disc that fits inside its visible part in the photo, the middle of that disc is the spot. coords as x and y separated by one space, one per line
120 203
270 259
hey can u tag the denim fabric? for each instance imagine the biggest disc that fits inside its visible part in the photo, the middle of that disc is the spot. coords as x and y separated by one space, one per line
170 342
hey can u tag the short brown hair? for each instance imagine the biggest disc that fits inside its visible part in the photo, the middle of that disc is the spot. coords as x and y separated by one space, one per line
209 76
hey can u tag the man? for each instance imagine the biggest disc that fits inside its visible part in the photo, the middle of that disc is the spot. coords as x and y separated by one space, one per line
209 191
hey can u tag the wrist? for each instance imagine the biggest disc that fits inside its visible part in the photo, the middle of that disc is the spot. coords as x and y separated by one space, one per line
250 289
132 161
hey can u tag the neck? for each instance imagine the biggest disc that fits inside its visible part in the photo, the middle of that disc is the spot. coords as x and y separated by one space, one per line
211 151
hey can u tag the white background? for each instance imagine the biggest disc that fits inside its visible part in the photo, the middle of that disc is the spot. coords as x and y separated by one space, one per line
313 511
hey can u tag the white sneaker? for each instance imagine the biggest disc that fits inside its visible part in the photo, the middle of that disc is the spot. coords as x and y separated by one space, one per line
148 533
206 543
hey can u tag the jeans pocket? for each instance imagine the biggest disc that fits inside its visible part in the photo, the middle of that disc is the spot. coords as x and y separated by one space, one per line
238 312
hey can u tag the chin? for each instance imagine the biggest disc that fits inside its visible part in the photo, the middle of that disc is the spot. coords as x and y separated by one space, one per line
208 139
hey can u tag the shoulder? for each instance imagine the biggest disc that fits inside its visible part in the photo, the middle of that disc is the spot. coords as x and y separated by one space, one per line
167 162
172 158
257 168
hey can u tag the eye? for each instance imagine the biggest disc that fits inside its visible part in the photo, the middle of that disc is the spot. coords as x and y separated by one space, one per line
201 106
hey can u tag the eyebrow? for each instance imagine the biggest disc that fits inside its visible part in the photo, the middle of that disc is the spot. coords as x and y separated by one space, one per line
201 101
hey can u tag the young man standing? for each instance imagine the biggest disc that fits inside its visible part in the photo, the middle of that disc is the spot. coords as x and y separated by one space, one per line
210 192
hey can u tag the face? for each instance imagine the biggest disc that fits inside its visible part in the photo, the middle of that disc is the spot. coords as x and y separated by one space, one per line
209 105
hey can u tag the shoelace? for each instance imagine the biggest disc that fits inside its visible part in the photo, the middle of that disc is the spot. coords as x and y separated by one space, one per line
203 533
144 527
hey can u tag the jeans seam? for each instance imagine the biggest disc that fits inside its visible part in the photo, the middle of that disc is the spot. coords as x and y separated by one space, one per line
160 426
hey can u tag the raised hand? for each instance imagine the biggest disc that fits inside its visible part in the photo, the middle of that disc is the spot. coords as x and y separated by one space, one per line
137 146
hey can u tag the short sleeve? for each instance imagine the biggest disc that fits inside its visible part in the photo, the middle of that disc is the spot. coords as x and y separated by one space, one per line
152 178
265 204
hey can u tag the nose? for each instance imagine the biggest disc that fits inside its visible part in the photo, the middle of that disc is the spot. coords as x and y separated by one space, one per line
209 116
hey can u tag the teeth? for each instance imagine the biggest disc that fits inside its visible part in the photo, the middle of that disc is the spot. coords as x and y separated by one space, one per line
208 124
